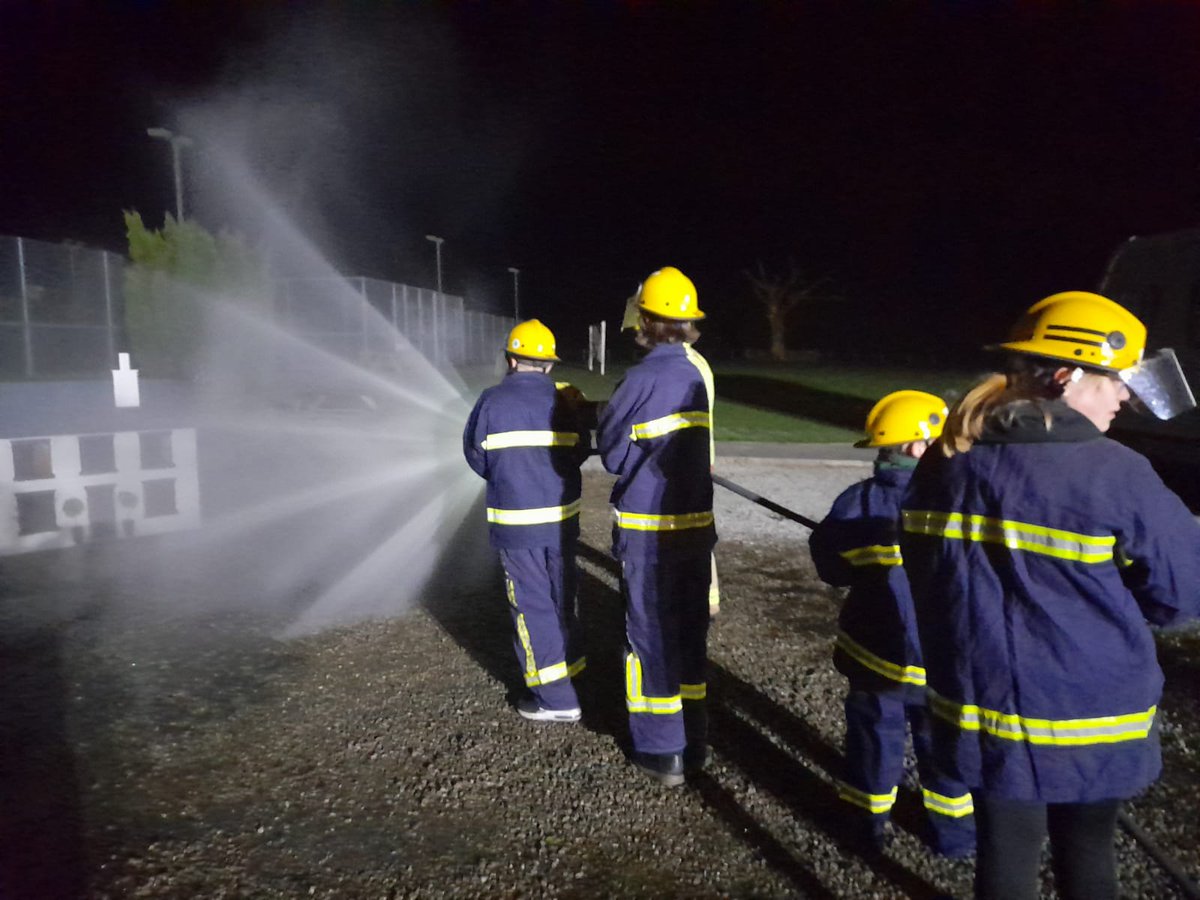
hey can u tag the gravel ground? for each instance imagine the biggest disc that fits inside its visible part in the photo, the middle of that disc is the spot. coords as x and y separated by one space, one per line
198 755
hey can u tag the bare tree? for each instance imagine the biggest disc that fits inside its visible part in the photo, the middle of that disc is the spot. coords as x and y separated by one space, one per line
781 294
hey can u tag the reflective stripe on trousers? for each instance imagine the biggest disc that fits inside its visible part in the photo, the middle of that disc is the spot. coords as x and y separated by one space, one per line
541 585
666 625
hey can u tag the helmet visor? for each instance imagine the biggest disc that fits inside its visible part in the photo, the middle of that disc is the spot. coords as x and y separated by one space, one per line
1159 384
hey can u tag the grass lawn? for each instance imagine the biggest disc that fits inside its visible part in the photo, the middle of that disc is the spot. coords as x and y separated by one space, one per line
798 403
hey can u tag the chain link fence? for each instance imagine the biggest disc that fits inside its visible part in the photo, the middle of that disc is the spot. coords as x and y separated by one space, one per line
60 309
62 315
439 326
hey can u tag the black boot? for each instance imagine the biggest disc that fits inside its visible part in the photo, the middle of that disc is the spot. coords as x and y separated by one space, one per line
665 768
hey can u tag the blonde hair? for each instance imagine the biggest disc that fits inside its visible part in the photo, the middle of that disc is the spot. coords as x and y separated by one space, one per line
1026 381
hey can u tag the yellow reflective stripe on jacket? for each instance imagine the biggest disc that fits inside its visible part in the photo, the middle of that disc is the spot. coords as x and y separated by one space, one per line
667 424
955 807
877 664
505 439
1086 548
875 803
636 701
1053 732
542 516
706 376
650 522
874 555
693 691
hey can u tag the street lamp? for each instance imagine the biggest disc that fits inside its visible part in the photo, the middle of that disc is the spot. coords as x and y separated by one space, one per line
437 242
516 274
176 141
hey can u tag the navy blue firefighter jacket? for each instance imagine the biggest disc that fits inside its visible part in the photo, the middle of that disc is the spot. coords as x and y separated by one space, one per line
857 546
525 437
655 435
1036 559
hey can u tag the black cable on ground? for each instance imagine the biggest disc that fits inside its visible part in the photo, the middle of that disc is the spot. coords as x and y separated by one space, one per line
1170 865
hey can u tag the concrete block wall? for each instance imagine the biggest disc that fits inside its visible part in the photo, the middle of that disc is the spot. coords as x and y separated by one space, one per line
61 490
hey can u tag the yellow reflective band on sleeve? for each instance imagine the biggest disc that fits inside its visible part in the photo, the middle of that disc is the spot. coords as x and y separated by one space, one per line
648 522
1046 732
864 657
875 803
1070 545
668 424
874 555
636 701
954 807
543 516
505 439
693 691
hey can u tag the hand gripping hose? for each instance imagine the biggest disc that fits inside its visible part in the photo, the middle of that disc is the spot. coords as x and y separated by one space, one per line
1170 865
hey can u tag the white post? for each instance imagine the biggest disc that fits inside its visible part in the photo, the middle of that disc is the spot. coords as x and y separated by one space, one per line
603 344
125 383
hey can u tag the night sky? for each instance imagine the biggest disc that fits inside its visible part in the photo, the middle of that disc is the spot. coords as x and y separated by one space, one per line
942 165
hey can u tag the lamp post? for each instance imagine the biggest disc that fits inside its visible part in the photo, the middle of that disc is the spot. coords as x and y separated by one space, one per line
516 274
437 243
177 141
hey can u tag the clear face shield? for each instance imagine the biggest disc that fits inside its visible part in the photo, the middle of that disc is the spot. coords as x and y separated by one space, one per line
1159 385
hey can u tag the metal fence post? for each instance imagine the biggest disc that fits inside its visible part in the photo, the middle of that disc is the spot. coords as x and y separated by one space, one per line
395 327
25 326
363 345
108 311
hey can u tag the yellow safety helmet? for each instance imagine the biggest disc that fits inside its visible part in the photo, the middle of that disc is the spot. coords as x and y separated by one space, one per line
531 340
904 416
1081 328
669 294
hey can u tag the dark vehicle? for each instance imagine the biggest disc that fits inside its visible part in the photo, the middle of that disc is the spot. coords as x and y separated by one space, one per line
1157 277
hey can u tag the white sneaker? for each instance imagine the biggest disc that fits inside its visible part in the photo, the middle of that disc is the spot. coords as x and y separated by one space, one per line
528 708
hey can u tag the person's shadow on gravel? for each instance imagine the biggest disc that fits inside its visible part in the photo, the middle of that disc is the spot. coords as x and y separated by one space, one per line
602 614
735 708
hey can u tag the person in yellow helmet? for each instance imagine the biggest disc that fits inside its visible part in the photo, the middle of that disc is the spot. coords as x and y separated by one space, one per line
877 648
655 435
1037 550
526 437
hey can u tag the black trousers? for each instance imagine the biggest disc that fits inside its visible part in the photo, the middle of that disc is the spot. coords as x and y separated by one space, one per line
1009 838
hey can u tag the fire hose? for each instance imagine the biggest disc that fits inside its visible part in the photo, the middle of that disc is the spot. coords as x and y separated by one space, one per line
1187 884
